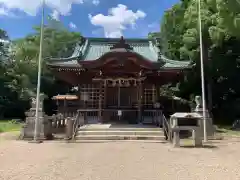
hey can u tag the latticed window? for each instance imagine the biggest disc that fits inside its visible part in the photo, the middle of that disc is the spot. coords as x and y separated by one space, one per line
93 93
149 96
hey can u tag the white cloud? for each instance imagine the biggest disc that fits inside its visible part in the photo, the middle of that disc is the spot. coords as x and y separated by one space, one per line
117 20
72 25
96 2
4 41
3 12
6 12
55 15
31 7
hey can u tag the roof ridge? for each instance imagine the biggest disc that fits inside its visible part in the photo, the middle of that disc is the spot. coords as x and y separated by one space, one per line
171 61
98 39
85 48
77 50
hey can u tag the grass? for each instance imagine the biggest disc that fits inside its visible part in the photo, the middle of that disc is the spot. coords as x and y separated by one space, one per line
186 142
9 126
226 130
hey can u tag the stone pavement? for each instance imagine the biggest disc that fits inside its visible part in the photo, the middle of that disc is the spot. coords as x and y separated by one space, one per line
107 160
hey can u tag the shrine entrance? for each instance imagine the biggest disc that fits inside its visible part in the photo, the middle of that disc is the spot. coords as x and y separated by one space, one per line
120 100
121 97
121 104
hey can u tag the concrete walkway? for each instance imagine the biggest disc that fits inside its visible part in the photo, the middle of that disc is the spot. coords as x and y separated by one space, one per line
106 160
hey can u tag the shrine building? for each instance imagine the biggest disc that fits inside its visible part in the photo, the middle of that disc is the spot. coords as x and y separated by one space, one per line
117 79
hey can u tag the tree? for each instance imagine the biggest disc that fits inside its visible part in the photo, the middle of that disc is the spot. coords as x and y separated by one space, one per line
57 43
3 46
172 28
4 92
229 15
21 77
220 44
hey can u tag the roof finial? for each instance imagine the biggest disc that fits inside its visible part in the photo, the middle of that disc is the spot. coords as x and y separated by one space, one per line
122 40
121 44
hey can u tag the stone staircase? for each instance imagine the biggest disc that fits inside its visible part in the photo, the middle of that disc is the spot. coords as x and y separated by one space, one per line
127 132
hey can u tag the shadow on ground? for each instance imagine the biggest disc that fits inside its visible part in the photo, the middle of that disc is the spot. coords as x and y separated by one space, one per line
201 147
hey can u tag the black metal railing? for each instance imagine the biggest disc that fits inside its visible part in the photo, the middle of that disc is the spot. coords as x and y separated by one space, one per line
78 121
166 128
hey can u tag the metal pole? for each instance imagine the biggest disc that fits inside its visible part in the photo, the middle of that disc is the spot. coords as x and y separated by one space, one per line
202 73
39 75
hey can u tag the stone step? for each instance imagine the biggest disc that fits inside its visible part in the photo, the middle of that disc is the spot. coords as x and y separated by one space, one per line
147 121
119 129
119 137
121 132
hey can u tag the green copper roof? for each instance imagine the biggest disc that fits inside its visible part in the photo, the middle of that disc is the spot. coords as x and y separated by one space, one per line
94 48
97 48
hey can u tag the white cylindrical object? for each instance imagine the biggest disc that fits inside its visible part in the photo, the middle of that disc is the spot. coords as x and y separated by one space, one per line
202 73
36 128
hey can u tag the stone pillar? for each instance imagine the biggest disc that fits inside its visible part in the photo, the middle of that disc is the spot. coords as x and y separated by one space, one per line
199 110
69 128
48 129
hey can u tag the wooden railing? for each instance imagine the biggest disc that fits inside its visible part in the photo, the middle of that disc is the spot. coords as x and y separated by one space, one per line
59 121
84 116
152 116
148 116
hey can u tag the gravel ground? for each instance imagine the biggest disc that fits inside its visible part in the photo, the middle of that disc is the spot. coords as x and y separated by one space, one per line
117 161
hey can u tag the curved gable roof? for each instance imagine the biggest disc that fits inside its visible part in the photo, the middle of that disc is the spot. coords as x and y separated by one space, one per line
94 48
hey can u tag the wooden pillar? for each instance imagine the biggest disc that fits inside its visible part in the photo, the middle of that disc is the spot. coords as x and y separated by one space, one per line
153 94
154 115
104 113
65 108
157 92
100 101
105 94
80 98
140 89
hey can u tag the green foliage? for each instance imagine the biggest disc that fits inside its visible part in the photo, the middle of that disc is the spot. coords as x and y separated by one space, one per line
229 15
22 77
7 126
3 46
154 35
172 28
220 28
18 78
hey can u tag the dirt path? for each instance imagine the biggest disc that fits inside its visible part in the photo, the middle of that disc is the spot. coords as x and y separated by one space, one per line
117 161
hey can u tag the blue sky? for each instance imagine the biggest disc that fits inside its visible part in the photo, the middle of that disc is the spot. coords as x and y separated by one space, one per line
93 18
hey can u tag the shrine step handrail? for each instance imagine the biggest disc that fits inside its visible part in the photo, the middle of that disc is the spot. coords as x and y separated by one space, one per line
166 128
76 124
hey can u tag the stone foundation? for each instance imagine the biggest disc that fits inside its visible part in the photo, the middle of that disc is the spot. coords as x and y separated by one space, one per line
45 122
44 128
209 124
